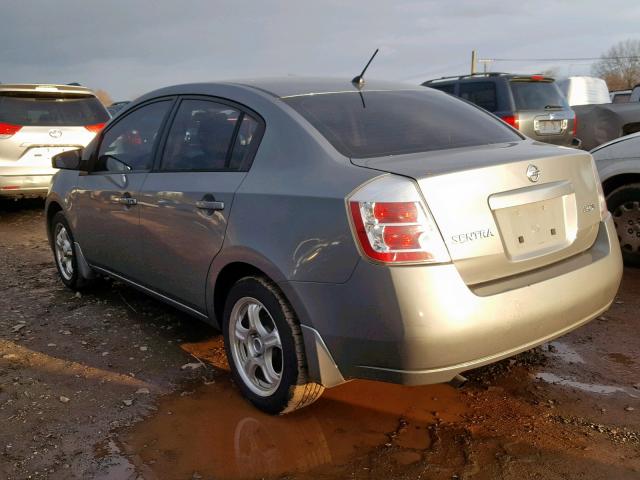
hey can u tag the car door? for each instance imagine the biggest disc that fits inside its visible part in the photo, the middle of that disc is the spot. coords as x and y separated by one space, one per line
186 199
106 197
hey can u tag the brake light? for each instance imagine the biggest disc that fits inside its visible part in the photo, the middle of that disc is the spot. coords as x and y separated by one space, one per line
511 120
95 128
574 132
537 78
392 225
8 129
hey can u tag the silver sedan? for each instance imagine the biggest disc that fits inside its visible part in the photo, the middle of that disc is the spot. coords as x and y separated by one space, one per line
336 231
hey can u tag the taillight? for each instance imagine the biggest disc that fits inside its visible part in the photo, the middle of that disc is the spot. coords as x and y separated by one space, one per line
8 129
392 224
511 120
574 132
95 128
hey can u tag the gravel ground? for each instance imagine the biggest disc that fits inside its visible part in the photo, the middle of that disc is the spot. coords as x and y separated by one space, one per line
111 384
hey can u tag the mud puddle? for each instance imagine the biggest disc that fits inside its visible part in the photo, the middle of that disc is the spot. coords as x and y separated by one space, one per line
213 432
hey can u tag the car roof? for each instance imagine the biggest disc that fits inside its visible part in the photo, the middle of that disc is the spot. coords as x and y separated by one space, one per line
283 87
44 88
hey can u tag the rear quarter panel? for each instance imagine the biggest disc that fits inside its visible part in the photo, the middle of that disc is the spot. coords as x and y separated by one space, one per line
290 210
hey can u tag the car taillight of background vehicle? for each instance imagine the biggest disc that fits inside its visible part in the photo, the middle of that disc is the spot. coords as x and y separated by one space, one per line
95 128
7 129
575 126
511 120
392 224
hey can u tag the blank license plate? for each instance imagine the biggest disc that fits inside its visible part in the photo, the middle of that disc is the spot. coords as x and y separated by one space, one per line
533 228
548 126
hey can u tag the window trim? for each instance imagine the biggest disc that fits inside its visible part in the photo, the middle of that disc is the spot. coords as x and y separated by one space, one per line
244 110
495 94
93 160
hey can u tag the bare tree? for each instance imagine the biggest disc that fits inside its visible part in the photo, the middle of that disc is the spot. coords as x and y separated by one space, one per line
104 97
553 72
620 65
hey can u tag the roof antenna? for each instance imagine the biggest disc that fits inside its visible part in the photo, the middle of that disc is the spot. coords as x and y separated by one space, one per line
358 81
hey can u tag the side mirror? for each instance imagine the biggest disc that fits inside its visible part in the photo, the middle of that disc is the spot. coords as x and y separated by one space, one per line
69 160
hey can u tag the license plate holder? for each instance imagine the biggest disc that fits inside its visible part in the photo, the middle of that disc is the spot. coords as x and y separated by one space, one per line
534 229
41 156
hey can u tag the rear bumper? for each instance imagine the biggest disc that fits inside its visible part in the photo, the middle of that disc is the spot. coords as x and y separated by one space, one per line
24 185
423 324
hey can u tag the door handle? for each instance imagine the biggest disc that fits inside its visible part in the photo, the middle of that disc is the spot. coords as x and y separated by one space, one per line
128 201
209 205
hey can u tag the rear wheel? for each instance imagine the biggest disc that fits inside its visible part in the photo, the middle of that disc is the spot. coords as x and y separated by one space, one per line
265 348
624 204
64 253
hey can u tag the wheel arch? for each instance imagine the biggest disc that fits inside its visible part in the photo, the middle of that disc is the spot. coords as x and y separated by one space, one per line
617 181
229 267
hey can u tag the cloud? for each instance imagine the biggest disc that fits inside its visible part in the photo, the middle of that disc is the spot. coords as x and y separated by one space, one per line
129 47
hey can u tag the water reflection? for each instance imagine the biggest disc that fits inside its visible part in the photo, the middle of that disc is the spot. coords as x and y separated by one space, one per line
216 433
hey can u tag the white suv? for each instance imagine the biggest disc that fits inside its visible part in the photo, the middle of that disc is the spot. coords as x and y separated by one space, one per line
37 122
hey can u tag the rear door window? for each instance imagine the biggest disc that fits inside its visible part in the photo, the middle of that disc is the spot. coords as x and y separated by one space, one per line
48 110
202 136
536 95
482 94
380 123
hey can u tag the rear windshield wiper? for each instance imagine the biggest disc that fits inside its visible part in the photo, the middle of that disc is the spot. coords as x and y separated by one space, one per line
553 107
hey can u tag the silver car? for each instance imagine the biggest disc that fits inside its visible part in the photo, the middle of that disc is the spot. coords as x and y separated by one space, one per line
386 232
37 122
618 163
532 104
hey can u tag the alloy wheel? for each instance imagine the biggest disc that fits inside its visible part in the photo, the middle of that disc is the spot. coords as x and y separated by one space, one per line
64 251
256 348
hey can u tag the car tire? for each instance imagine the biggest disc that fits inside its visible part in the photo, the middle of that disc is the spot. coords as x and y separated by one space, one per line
624 205
64 253
265 348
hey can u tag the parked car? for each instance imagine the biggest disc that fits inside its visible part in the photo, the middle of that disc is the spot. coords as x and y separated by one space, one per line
390 232
36 122
620 96
533 104
618 163
600 119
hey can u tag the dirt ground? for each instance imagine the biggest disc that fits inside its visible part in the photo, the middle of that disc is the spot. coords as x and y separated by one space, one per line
113 385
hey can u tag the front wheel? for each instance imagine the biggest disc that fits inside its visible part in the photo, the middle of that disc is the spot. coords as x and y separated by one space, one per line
624 204
265 348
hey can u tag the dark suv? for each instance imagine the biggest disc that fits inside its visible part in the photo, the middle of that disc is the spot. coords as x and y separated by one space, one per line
532 104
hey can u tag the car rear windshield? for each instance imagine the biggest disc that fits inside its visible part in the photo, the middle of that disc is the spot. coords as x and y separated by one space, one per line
28 109
380 123
537 95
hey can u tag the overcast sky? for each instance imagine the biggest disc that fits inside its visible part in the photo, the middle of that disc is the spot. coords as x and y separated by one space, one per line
130 47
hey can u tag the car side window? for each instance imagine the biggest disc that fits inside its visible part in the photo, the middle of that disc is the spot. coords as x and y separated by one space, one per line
482 94
245 144
201 136
128 145
449 88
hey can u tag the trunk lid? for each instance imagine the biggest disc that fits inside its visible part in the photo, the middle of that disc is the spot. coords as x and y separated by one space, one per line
505 209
